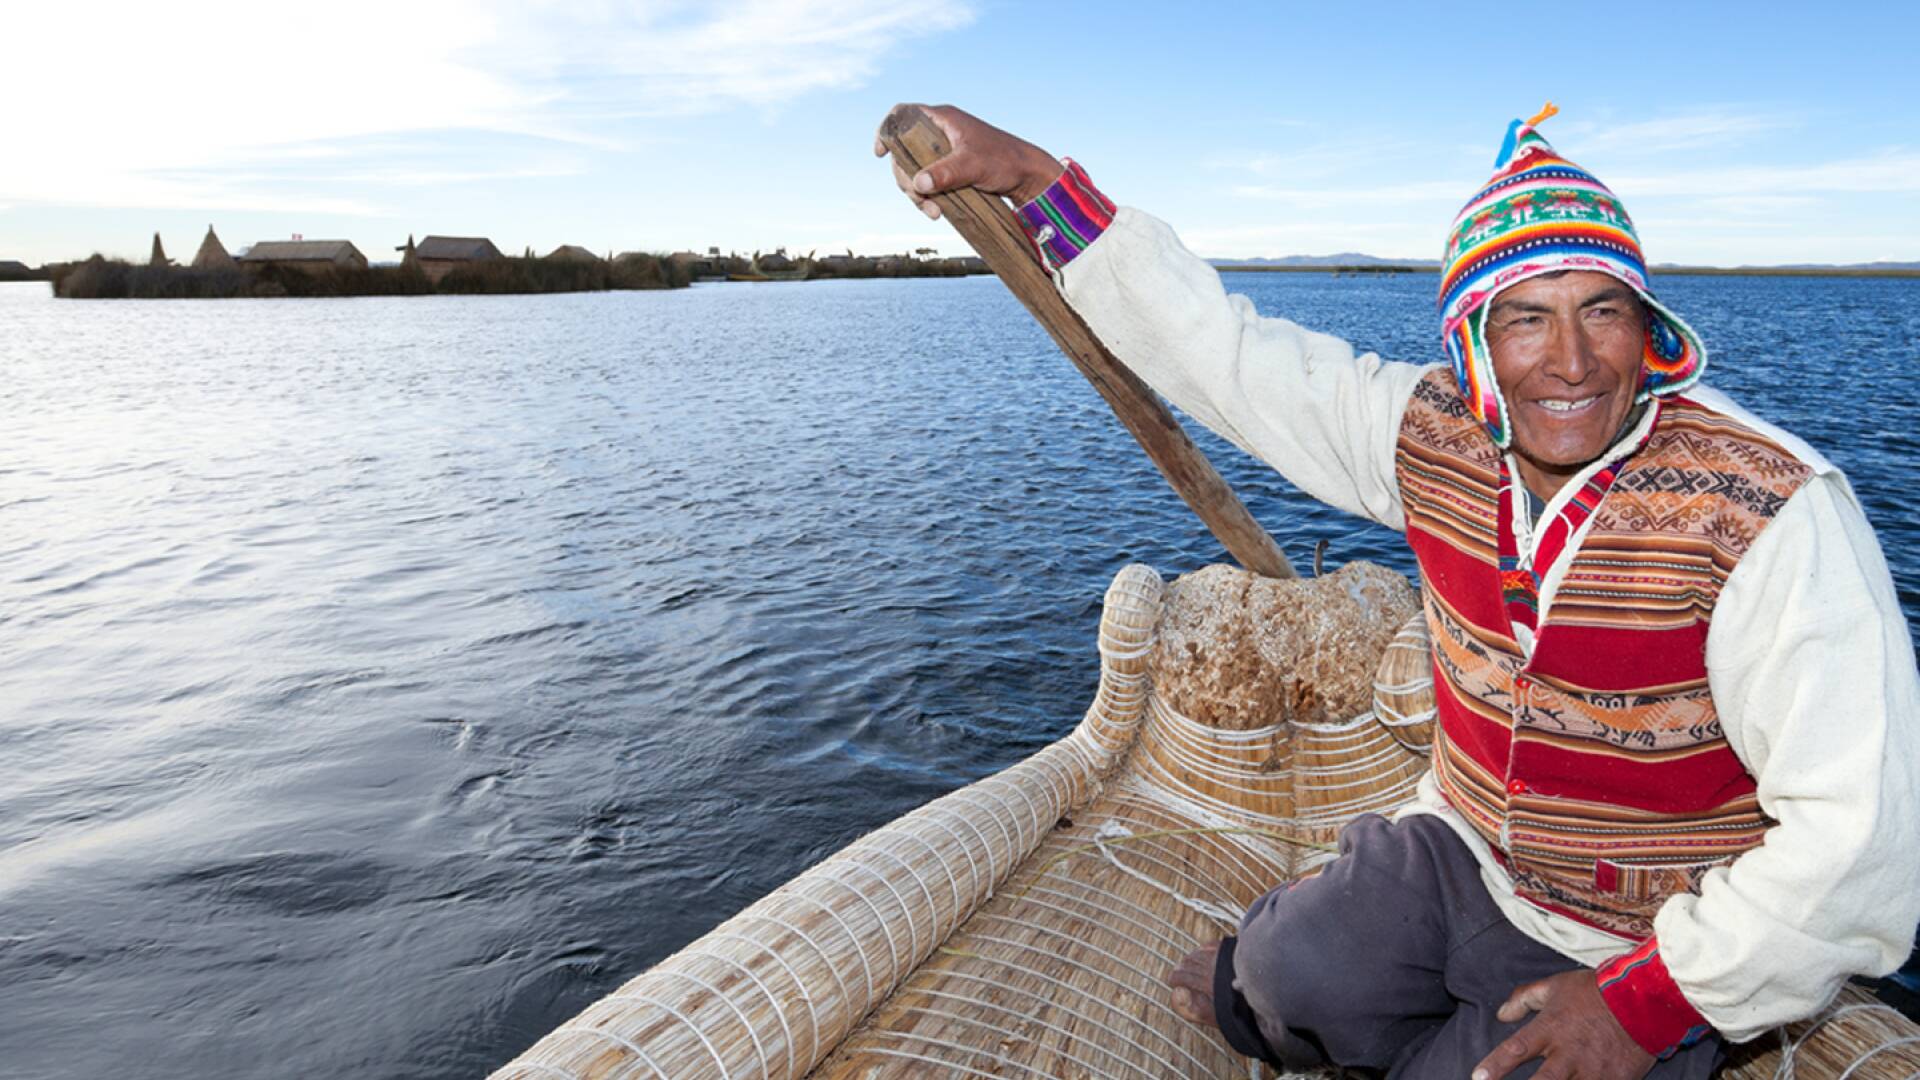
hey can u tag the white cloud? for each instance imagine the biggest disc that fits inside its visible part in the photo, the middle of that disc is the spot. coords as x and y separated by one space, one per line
1322 158
665 58
1706 126
1750 206
133 95
1390 194
1891 170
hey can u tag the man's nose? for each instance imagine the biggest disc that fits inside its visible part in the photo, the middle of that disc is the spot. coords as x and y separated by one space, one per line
1570 356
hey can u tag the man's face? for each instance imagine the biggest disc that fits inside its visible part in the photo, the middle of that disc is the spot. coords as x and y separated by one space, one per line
1566 349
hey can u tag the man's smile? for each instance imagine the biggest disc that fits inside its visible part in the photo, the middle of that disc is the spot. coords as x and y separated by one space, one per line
1568 405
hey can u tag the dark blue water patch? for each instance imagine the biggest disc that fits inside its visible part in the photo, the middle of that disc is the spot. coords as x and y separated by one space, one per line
294 884
389 679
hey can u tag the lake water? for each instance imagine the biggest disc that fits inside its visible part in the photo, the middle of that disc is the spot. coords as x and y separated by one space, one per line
384 680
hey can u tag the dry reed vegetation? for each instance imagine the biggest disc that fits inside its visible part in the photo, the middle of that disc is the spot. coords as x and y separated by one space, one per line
100 278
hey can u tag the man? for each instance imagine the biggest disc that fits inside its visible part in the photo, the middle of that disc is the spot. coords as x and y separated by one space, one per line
1673 793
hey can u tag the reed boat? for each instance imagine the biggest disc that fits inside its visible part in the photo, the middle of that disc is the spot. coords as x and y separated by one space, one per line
1023 926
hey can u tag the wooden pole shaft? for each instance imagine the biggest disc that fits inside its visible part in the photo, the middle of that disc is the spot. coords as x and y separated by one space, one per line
986 222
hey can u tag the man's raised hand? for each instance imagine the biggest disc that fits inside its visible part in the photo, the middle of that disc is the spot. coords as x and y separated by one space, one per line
1572 1030
983 156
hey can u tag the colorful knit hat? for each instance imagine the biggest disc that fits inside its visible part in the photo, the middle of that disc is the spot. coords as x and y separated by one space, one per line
1541 213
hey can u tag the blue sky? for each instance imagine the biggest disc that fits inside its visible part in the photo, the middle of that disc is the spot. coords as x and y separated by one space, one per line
1735 133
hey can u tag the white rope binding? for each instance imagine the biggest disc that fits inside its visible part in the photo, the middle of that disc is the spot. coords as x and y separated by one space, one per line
1113 830
1790 1045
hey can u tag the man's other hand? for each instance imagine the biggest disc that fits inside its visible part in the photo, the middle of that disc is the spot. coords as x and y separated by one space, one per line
983 156
1572 1030
1192 985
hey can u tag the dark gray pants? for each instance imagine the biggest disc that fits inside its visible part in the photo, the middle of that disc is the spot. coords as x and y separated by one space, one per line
1394 958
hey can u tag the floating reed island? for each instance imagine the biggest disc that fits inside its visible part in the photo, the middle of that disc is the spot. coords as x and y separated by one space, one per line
451 264
328 268
1023 926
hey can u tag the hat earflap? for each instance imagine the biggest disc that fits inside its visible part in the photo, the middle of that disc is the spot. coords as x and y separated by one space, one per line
1472 361
1674 357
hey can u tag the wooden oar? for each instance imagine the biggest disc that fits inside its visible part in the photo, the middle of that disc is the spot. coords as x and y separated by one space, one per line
986 222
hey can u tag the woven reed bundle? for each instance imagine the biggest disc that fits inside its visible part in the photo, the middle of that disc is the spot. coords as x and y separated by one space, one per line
1403 687
1856 1037
772 990
1023 926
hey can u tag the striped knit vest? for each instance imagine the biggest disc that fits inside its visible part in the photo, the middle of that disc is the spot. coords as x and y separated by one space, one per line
1597 770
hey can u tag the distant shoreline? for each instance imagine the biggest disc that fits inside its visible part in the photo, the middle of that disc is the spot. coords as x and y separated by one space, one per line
100 278
1658 271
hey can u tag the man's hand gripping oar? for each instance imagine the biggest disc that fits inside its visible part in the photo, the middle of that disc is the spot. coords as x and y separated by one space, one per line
955 166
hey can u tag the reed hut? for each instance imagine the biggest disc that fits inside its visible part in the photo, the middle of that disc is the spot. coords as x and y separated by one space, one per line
573 253
159 256
697 266
438 256
213 254
14 270
307 256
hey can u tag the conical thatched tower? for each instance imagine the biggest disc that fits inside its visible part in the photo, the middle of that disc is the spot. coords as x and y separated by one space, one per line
407 255
159 256
213 254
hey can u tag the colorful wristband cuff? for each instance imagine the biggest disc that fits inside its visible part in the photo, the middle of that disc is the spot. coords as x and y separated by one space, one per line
1648 1003
1066 217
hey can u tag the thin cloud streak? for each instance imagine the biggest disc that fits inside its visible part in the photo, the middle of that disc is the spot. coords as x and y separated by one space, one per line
1764 187
1321 197
1895 169
1711 126
555 74
1319 159
613 64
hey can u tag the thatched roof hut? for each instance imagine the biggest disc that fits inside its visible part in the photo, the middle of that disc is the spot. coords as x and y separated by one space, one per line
698 266
312 256
159 256
573 253
457 248
438 256
213 254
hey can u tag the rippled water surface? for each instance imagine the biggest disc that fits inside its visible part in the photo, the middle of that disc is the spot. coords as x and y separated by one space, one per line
386 679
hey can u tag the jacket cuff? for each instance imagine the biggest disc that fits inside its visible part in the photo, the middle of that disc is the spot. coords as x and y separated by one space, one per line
1648 1003
1066 217
1234 1015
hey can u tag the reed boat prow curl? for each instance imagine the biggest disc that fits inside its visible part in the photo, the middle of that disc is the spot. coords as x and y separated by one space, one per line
1022 926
